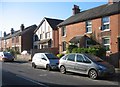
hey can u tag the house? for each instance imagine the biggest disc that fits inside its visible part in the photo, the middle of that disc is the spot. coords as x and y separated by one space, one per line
46 34
18 40
100 24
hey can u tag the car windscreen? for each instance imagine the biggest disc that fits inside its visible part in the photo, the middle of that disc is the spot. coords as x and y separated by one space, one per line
94 58
51 56
7 54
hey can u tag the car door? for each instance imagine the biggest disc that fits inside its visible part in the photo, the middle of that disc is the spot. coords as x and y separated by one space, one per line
70 63
43 61
38 60
82 64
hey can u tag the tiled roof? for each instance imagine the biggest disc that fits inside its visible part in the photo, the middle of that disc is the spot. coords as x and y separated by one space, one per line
53 22
19 32
97 12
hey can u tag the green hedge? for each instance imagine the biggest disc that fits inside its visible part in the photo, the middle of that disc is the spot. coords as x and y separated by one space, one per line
94 50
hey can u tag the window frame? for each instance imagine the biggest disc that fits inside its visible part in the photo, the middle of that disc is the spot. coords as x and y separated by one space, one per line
106 23
63 46
88 25
106 44
63 32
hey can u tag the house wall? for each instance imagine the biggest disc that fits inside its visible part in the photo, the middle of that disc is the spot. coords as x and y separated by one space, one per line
71 31
80 29
55 38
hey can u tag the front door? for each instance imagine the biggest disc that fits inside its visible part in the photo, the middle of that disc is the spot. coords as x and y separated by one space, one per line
119 44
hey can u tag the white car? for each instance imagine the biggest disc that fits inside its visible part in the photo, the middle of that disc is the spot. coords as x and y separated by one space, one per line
45 60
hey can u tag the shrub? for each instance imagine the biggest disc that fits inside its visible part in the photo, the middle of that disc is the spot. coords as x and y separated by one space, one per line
94 50
60 55
70 48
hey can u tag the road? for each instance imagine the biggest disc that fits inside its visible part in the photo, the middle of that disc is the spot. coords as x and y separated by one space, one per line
22 74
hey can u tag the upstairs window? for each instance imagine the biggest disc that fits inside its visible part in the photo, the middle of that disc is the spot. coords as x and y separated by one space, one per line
105 23
88 27
47 35
41 36
63 31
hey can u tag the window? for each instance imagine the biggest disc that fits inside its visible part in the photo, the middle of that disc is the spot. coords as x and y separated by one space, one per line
40 36
63 31
47 35
106 43
12 39
88 27
64 46
79 58
105 23
88 42
17 39
35 37
71 57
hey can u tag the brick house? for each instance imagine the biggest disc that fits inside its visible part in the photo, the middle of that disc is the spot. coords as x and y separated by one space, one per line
100 24
46 34
18 40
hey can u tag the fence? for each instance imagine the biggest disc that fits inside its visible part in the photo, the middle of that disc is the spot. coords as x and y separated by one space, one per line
55 51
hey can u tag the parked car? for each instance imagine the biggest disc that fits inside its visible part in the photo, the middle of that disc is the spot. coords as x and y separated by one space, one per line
45 60
87 64
6 56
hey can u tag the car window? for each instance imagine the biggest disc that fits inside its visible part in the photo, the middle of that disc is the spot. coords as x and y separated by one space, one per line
65 57
71 57
51 56
7 54
79 58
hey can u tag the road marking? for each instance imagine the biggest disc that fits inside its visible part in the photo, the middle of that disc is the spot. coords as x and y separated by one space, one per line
32 81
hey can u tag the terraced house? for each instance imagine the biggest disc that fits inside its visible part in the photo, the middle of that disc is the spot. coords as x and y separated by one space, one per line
18 40
102 23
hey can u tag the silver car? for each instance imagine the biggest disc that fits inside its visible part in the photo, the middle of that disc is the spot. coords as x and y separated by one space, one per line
45 60
87 64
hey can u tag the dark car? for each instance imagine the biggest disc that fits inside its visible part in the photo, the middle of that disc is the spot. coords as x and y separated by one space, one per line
6 56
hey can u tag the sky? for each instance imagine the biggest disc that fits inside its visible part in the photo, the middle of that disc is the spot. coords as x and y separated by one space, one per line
13 14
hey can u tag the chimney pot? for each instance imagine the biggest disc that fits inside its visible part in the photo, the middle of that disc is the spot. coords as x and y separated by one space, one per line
76 9
22 27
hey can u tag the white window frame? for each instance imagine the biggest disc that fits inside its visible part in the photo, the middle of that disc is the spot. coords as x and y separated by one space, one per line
63 29
106 23
106 44
88 26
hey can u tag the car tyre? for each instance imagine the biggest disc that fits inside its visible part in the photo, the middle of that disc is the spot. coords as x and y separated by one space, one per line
48 67
33 65
93 74
62 69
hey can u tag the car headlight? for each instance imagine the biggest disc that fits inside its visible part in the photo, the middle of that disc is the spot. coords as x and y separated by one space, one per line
102 67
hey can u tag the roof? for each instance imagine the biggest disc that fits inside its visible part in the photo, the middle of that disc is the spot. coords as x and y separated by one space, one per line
76 39
52 22
97 12
19 32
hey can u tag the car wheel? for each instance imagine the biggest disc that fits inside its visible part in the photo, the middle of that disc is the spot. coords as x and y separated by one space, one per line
93 74
48 67
33 65
62 69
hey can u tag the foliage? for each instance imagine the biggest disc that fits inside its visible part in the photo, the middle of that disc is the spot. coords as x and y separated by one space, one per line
13 52
94 50
60 55
70 48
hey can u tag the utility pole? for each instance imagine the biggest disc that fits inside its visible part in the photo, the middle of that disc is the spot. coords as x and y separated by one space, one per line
0 40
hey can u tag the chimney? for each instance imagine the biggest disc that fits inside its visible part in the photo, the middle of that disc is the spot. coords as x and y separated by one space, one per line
22 27
76 9
12 30
4 34
113 1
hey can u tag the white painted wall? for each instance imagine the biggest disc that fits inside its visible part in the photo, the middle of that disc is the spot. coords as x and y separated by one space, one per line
43 29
